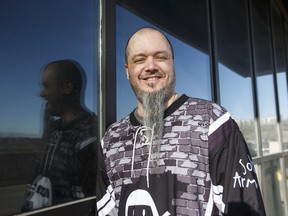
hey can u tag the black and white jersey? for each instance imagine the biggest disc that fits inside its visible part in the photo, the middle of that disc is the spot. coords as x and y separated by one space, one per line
204 167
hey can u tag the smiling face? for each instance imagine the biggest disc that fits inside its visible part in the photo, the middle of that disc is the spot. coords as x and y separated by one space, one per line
150 64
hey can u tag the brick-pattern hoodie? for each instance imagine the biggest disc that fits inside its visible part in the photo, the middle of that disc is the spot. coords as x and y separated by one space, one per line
204 167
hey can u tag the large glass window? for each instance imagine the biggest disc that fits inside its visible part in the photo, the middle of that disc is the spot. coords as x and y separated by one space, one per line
264 74
280 66
34 33
273 196
283 80
286 172
191 58
234 66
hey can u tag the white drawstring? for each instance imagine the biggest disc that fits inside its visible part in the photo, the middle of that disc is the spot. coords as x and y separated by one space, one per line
150 150
133 153
149 157
58 134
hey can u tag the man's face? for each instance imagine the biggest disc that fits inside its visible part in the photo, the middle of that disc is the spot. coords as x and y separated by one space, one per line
150 65
52 92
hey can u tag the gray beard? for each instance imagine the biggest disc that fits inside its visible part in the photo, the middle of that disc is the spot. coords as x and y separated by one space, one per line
153 106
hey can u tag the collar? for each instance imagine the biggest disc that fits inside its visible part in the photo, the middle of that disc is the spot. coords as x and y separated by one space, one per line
172 108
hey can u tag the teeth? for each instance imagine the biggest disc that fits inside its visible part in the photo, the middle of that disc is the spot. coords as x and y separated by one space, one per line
152 78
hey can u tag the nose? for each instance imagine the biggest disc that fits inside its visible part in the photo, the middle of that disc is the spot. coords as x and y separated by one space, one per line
151 65
42 93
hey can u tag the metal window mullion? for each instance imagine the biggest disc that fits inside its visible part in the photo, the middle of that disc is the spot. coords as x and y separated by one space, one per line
213 53
285 153
107 65
276 95
255 93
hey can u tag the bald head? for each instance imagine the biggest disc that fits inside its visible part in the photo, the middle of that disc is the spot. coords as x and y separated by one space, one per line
145 32
62 84
66 70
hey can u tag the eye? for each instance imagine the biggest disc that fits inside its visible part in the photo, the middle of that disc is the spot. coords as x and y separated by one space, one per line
161 57
139 60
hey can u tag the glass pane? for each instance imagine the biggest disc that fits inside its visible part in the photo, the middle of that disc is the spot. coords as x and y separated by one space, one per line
284 118
234 66
191 64
273 196
286 171
264 73
278 39
34 33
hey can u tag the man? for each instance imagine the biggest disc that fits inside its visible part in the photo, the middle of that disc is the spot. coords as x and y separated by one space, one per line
173 155
66 167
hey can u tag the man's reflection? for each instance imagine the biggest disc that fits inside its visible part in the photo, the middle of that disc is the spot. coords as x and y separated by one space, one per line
66 168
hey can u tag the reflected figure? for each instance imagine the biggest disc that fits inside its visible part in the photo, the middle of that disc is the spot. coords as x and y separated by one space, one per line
65 169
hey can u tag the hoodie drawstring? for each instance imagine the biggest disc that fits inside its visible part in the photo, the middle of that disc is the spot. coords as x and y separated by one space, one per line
139 130
53 148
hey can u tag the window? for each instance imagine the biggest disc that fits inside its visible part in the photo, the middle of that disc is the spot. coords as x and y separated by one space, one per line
34 33
281 76
264 76
272 193
234 66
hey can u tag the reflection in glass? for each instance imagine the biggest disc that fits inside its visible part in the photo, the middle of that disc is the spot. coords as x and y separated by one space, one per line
264 73
280 63
32 34
65 166
236 96
234 67
272 194
191 65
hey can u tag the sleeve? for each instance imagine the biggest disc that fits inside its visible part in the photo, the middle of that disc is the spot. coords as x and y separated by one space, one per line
235 189
86 134
87 167
105 197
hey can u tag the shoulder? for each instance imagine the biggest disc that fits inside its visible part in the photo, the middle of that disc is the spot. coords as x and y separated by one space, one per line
89 118
206 107
82 128
117 127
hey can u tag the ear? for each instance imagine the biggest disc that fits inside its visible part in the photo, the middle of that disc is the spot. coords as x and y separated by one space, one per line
127 72
67 87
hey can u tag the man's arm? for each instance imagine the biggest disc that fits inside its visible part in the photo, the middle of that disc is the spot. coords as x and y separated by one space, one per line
235 185
105 197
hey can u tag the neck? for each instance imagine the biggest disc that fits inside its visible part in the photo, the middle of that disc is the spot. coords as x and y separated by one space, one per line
71 114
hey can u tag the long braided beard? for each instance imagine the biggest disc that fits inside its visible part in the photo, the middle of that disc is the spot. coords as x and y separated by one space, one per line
153 106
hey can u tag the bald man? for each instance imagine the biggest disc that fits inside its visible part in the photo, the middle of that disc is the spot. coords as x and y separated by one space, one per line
173 154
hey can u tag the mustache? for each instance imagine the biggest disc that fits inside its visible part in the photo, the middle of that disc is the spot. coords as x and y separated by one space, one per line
152 74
